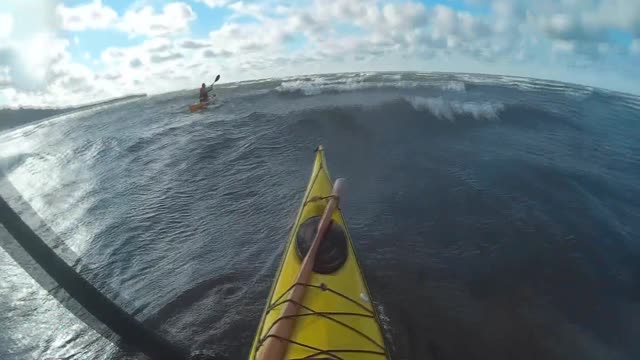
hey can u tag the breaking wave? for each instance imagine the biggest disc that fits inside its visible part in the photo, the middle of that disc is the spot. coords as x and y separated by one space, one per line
449 109
319 85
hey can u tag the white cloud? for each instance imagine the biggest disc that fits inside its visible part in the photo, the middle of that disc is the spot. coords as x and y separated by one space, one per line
444 20
160 58
33 50
71 78
519 37
584 20
249 38
363 13
36 61
155 45
563 46
216 54
249 9
174 19
112 55
93 15
194 44
5 77
150 66
31 61
135 63
214 3
6 25
508 14
31 17
46 74
570 27
405 15
617 14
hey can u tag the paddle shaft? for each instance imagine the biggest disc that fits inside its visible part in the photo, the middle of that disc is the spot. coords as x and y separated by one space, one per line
274 348
210 87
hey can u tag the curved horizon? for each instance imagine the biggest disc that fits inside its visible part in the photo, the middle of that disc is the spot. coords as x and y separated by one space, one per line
222 83
56 52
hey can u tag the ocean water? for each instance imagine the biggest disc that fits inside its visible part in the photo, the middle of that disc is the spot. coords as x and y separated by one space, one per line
494 217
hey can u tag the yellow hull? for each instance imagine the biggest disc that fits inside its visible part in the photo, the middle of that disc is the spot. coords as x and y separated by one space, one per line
337 319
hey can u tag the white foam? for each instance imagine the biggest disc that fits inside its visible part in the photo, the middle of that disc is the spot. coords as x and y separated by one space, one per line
449 109
392 76
315 86
307 87
457 86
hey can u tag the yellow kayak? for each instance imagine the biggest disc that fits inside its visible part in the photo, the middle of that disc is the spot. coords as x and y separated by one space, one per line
335 319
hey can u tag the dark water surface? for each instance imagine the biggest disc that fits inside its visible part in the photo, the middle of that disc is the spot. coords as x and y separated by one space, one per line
494 217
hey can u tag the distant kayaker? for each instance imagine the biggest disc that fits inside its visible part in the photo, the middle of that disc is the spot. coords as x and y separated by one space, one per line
204 96
204 93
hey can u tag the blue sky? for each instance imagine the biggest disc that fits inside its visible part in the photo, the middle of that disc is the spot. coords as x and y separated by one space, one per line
55 52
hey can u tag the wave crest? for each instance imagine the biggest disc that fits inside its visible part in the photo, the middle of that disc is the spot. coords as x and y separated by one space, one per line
449 109
319 85
457 86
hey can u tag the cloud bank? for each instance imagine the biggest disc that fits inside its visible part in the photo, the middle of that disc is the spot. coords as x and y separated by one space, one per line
176 45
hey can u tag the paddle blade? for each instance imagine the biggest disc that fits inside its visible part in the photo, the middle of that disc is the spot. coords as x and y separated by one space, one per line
217 78
338 187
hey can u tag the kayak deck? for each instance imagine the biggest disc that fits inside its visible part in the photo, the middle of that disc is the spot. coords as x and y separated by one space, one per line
336 319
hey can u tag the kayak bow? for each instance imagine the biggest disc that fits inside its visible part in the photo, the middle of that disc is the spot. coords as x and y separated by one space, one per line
334 317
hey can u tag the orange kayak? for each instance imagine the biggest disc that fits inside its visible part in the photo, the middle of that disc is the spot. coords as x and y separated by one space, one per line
198 106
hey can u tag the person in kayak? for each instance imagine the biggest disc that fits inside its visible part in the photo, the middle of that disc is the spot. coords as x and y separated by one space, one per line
204 96
204 93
